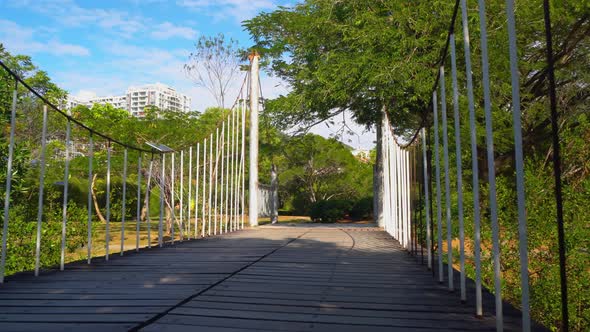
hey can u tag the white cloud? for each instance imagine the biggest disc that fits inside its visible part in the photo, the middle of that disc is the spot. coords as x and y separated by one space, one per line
85 82
68 13
146 62
221 9
21 39
168 30
57 48
84 95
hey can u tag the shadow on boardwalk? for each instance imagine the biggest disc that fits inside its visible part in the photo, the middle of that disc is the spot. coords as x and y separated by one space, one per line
265 279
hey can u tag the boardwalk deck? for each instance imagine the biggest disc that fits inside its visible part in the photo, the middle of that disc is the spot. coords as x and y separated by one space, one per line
267 279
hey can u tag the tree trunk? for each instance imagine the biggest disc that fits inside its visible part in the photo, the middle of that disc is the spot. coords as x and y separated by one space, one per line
95 201
146 197
168 221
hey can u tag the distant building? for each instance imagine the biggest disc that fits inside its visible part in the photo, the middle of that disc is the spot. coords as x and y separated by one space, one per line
362 154
71 103
138 98
116 101
159 95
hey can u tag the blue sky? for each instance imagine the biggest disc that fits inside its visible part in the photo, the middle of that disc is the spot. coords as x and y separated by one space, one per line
102 47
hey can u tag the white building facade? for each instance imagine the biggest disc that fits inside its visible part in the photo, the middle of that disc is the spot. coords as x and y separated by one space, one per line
159 95
138 98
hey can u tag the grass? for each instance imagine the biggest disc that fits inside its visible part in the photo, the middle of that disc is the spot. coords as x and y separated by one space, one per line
130 240
307 220
286 220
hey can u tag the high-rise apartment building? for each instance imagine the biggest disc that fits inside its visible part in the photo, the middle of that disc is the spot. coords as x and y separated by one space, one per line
159 95
138 98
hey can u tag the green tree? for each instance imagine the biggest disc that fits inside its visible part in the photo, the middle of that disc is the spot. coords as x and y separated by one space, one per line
362 56
313 168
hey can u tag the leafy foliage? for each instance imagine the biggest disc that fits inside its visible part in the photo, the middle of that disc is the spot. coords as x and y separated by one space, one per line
366 56
175 129
355 55
22 230
329 211
362 209
313 168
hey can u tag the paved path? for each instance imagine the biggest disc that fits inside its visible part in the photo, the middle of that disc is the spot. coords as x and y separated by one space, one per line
268 279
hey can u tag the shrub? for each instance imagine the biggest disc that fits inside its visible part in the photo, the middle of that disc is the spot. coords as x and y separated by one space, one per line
329 211
362 209
22 237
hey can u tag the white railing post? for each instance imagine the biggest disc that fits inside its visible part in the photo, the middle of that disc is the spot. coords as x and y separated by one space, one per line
8 185
41 191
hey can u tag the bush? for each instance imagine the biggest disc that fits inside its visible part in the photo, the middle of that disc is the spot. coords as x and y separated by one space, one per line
362 209
329 211
22 237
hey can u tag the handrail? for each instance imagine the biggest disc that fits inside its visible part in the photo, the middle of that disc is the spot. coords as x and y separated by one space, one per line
70 118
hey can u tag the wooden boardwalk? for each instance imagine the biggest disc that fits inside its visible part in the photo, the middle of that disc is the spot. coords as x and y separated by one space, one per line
265 279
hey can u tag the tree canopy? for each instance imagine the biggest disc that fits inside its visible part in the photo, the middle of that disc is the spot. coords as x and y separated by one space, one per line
353 55
324 169
364 55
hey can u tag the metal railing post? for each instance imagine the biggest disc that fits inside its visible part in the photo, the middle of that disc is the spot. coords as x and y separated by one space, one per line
438 195
190 191
215 203
197 193
138 217
426 199
41 191
222 191
491 166
519 165
204 187
162 197
458 163
8 184
232 173
124 201
209 207
181 194
64 216
227 176
147 200
172 197
243 164
443 103
474 161
108 203
90 175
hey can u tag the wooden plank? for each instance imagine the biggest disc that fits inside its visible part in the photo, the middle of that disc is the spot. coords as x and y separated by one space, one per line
267 279
63 327
393 321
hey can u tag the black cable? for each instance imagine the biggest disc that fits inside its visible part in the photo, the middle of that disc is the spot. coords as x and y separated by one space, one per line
444 53
440 62
64 114
556 167
70 118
